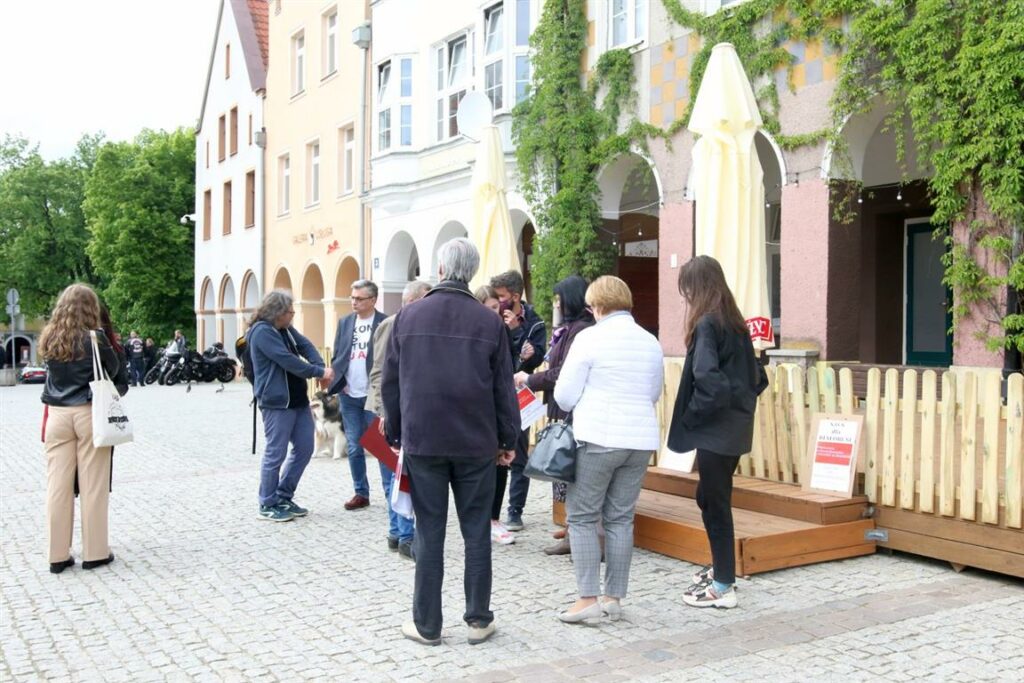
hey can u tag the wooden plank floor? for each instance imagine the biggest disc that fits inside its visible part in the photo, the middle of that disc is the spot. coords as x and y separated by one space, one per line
769 497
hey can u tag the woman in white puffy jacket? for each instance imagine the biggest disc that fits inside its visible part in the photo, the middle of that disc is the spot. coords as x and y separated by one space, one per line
611 380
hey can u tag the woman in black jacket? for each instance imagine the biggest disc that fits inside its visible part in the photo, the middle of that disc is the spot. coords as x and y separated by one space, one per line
571 317
714 414
66 347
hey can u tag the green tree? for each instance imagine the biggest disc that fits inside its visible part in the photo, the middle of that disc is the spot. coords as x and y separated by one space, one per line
43 235
143 255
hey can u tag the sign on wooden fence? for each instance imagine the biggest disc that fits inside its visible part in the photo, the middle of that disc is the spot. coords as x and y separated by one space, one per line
831 462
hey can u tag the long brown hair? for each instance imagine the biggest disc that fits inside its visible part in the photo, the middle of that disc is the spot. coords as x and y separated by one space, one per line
702 284
77 311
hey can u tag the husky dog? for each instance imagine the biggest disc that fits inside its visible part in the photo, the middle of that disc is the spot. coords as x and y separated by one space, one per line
327 418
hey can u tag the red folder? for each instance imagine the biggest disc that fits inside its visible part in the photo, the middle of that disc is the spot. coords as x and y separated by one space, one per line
376 445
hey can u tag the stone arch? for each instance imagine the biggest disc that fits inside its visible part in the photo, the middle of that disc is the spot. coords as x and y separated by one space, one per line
347 273
283 279
449 231
631 198
401 265
206 316
870 156
249 300
227 312
312 304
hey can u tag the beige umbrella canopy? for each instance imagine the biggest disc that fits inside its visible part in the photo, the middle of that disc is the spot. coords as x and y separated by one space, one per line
491 230
728 187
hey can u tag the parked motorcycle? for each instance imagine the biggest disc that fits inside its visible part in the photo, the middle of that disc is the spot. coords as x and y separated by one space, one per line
166 359
213 365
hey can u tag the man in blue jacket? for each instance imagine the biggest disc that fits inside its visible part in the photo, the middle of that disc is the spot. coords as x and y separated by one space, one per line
352 362
450 402
529 338
282 361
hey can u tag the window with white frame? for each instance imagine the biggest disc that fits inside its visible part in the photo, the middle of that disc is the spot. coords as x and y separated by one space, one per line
494 51
520 50
405 102
384 100
313 173
330 49
284 184
346 159
453 72
298 63
627 22
394 102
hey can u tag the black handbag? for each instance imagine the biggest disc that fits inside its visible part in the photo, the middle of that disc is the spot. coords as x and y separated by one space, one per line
554 456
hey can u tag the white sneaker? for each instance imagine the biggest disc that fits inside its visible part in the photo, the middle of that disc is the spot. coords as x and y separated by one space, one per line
501 535
707 597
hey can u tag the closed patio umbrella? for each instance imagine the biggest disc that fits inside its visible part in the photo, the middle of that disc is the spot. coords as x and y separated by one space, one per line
728 187
491 230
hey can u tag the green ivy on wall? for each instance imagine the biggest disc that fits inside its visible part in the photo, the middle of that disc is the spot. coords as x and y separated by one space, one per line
563 136
953 68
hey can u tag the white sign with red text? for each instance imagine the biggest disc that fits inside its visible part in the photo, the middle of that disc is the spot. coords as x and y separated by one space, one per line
531 408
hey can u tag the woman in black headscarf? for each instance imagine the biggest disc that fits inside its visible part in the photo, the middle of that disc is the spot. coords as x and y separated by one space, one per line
571 316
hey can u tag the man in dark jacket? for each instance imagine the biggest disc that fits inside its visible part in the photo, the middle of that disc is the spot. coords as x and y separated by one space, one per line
528 341
136 357
449 401
352 362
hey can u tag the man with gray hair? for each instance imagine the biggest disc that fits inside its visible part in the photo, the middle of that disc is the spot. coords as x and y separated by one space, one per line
282 361
352 360
450 403
401 529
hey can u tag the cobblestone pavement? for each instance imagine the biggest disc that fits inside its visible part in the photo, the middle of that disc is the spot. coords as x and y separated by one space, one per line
203 590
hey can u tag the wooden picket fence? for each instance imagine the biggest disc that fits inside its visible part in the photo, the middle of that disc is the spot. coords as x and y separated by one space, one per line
956 454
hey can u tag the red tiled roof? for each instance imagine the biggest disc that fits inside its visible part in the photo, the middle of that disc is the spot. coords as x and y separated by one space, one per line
259 9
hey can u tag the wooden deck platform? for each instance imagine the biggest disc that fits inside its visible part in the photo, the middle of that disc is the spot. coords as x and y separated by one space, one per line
769 497
777 525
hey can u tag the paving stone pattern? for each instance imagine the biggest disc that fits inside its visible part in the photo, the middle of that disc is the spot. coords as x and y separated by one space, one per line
204 590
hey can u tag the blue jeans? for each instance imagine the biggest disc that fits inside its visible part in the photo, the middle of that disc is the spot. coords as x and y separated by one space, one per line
398 526
356 420
281 427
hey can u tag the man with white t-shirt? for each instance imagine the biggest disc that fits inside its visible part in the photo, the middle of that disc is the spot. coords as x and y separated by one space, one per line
352 361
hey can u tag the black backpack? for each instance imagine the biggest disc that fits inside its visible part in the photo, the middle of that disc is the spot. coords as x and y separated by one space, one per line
244 357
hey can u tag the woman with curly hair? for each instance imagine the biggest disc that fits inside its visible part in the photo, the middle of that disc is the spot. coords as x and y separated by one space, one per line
66 347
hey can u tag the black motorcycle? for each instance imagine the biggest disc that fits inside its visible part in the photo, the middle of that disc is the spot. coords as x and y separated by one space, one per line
166 359
212 365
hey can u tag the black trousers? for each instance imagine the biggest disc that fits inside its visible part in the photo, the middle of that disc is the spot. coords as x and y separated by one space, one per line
472 483
500 479
714 498
519 483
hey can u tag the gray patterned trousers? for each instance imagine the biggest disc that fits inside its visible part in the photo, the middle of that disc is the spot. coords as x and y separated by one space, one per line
606 489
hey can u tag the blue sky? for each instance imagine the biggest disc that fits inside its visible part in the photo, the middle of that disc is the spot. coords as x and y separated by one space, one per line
69 67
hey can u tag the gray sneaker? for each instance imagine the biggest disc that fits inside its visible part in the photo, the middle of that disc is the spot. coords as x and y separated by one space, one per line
514 522
290 506
275 514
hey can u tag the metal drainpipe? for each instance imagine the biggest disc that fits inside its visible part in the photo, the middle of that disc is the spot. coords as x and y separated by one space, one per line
362 164
261 161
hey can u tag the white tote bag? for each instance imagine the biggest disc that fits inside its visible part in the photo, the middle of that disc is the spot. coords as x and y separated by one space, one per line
110 424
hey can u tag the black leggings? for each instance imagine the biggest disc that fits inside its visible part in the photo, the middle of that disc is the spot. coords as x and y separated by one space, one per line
714 498
499 491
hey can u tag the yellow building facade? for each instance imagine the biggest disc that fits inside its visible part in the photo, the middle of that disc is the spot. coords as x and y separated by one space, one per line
316 225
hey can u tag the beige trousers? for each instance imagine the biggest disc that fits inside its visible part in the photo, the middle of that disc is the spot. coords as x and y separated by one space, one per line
69 447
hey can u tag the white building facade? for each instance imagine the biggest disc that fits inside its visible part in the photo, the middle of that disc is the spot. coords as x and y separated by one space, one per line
423 62
229 218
